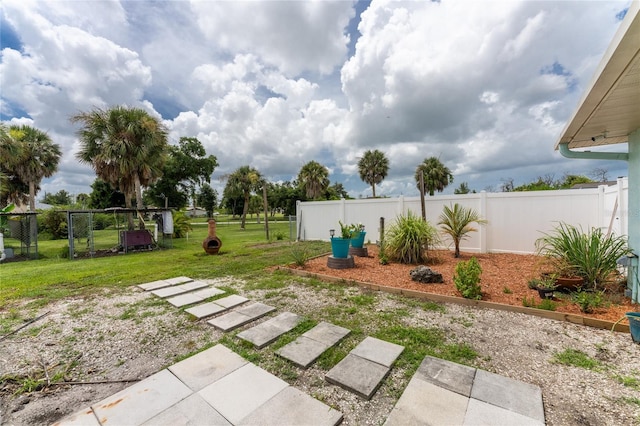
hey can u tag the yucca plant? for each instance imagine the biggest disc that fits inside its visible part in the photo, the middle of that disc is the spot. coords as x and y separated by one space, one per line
408 239
591 255
456 222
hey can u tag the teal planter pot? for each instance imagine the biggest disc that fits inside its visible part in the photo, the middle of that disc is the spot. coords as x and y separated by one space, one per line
358 241
340 247
634 325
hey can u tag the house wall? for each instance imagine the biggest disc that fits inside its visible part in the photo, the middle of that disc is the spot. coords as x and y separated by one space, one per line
515 219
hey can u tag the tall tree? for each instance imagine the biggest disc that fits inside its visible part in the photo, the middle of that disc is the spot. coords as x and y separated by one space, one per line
187 167
244 180
126 147
9 151
208 198
314 179
37 157
103 196
373 168
436 176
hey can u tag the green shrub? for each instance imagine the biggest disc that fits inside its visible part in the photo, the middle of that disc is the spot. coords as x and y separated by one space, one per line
547 305
590 255
409 238
467 279
181 225
53 222
587 301
300 253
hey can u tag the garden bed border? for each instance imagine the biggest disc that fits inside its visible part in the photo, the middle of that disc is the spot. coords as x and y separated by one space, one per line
558 316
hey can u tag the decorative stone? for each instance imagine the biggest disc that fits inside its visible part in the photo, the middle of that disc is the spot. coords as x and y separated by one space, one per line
425 275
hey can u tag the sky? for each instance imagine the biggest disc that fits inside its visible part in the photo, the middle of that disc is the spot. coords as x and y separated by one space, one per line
485 86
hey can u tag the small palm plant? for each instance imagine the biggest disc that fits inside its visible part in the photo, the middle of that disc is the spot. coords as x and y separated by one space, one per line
456 222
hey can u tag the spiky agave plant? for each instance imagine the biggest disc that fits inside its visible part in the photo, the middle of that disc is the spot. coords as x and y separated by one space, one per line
591 255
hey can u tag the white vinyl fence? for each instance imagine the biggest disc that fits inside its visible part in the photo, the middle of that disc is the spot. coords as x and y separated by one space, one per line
515 219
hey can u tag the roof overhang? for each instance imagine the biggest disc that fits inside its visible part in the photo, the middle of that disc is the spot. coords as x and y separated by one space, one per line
610 109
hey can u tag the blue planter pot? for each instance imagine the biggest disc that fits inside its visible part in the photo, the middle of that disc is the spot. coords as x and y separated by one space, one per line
358 241
634 325
340 247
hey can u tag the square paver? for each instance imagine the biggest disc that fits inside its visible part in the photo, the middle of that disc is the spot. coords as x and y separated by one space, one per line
140 402
192 410
327 333
179 289
204 310
241 316
154 285
357 375
449 375
293 407
239 393
482 413
194 296
206 367
263 334
379 351
510 394
231 301
302 351
423 403
178 280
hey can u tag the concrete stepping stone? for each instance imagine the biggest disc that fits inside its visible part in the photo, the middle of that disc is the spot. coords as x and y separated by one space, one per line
241 316
237 394
309 346
192 410
446 374
204 310
206 367
231 301
293 407
513 395
263 334
194 296
179 289
155 285
449 393
142 401
364 368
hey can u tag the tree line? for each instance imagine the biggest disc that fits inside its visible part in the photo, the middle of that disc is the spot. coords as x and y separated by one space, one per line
135 165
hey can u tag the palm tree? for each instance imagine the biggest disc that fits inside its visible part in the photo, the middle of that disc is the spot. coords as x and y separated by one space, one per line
37 157
126 147
436 175
314 179
373 168
456 222
244 180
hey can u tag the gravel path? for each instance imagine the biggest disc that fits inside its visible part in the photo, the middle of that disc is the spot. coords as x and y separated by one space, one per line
127 334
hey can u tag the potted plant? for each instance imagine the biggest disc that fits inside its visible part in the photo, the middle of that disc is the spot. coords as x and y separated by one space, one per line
357 238
545 286
340 245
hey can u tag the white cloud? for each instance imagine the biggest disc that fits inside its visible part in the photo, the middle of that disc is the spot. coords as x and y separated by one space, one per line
486 86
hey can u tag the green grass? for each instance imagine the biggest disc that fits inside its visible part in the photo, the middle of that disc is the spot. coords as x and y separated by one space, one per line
51 278
576 358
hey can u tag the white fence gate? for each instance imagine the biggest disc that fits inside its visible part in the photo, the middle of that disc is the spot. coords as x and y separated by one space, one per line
515 219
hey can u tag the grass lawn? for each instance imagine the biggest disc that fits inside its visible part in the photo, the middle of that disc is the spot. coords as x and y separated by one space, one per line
52 277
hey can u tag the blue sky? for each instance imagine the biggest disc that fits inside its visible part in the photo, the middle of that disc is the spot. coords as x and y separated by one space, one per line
486 86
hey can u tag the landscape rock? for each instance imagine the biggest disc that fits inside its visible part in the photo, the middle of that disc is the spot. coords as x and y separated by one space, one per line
423 274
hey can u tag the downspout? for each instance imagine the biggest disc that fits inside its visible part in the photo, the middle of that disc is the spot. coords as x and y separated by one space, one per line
590 155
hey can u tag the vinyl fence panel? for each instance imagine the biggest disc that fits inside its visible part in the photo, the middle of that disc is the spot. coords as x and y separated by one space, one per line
515 219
